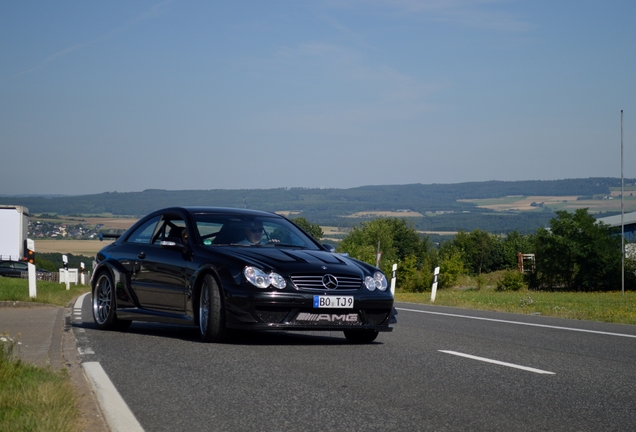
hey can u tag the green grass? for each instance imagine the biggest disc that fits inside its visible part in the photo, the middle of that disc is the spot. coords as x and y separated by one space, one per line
34 398
602 306
15 289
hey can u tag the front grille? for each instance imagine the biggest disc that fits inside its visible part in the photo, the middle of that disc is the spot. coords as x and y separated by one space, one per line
376 317
314 282
271 315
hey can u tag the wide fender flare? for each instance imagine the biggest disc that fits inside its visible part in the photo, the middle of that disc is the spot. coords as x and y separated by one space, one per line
222 275
120 280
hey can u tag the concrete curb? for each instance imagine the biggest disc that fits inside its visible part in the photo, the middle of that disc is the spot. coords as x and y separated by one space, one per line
26 304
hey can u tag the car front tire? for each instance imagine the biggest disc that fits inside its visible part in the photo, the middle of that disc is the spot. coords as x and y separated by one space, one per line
104 305
211 312
361 336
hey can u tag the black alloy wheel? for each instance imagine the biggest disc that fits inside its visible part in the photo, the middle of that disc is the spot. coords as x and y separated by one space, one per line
104 305
211 312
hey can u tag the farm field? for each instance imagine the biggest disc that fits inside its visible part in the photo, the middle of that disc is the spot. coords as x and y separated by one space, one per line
569 203
107 222
442 233
75 247
111 222
378 214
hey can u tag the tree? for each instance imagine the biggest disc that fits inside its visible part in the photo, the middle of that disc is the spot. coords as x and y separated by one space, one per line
480 250
577 253
414 278
451 263
399 243
483 252
514 243
312 229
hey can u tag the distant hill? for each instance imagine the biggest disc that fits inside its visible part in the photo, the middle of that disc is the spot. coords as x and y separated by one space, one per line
437 203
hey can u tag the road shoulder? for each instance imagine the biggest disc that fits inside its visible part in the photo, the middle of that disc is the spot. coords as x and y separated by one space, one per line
91 417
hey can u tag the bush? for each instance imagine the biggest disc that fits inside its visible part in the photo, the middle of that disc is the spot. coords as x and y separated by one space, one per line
451 267
413 279
511 280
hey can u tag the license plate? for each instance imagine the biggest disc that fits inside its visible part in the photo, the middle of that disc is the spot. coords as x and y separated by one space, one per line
337 302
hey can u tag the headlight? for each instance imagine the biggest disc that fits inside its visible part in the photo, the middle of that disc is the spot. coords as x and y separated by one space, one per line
378 281
260 279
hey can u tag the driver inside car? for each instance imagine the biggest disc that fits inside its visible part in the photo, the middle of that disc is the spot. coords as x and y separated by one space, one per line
253 234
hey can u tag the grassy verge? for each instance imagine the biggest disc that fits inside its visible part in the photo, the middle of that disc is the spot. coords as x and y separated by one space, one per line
606 306
34 398
15 289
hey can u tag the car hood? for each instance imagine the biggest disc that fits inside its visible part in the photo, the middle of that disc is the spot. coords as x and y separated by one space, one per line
292 260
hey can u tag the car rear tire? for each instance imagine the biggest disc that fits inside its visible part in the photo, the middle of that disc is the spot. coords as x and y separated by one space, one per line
104 305
211 312
361 336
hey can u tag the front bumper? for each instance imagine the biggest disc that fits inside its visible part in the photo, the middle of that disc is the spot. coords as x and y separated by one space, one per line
295 311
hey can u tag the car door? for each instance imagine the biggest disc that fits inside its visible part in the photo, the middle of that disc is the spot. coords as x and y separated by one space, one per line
20 268
160 283
8 269
131 254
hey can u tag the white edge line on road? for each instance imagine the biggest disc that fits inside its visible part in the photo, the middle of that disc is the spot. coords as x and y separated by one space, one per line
116 412
79 302
519 323
497 362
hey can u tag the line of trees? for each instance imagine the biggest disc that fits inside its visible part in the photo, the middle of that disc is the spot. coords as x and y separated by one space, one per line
574 253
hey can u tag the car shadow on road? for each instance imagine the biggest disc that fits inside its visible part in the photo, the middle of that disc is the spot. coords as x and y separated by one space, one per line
237 337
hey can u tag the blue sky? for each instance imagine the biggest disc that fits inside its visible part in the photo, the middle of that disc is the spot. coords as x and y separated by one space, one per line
100 96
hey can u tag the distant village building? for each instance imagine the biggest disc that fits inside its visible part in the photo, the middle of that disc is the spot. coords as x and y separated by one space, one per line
629 222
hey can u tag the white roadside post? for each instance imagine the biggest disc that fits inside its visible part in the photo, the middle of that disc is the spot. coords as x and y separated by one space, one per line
82 276
66 277
393 277
30 254
434 288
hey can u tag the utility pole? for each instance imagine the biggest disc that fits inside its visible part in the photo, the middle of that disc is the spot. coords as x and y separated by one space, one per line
622 212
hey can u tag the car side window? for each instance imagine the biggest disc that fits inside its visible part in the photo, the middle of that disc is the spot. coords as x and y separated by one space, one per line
143 234
208 230
172 229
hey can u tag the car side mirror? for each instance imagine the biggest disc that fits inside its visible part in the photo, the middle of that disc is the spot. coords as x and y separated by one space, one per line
169 243
329 248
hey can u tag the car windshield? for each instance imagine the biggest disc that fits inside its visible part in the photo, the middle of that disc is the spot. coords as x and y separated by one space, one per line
238 230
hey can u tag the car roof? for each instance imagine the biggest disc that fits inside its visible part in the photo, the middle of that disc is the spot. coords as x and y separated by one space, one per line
221 210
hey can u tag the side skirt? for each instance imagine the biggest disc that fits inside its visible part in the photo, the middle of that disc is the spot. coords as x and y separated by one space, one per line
139 314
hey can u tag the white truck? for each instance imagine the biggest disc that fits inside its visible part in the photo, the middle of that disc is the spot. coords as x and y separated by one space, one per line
14 225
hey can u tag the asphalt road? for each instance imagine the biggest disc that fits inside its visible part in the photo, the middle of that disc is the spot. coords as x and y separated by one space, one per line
549 375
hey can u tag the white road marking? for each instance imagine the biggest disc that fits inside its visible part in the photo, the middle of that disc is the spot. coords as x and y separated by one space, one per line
116 411
519 323
497 362
78 303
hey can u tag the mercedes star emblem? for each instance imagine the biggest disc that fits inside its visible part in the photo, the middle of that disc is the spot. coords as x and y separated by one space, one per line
330 281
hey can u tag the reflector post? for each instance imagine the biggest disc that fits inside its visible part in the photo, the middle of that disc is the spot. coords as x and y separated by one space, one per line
29 252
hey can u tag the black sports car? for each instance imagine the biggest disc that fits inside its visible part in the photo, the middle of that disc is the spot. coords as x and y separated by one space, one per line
221 269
